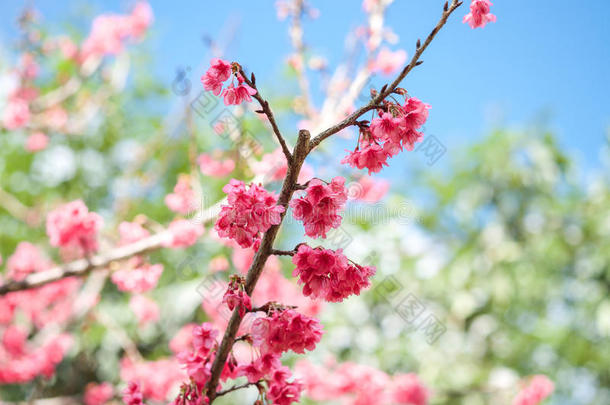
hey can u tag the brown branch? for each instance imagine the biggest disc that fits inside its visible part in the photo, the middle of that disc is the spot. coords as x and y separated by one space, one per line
82 267
237 387
300 153
267 111
351 120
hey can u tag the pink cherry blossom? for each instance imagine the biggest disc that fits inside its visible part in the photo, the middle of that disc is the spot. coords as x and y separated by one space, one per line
371 156
219 72
98 394
20 363
156 380
538 389
141 18
137 276
386 127
26 259
183 233
479 14
131 232
16 114
73 226
408 389
183 200
286 330
213 167
236 297
388 62
204 338
236 95
145 309
319 208
281 390
251 211
328 274
36 142
132 394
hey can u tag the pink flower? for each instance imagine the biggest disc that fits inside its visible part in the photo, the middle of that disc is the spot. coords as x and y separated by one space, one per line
132 394
72 225
408 389
479 14
388 62
319 208
26 259
131 232
215 167
219 72
183 233
369 155
286 330
281 391
386 127
16 114
250 212
155 379
416 113
36 142
145 309
183 200
538 389
137 277
141 18
328 274
236 95
204 338
262 366
236 297
98 394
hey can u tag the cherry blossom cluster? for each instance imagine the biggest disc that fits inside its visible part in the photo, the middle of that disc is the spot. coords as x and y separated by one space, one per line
355 384
183 200
319 208
197 362
479 14
110 31
328 274
396 128
74 228
252 210
236 297
217 74
286 330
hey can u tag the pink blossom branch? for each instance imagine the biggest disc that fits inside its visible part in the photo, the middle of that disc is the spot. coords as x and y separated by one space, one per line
267 111
266 247
303 147
82 267
420 48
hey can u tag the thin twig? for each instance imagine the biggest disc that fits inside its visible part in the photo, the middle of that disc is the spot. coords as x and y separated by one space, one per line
351 119
236 387
267 110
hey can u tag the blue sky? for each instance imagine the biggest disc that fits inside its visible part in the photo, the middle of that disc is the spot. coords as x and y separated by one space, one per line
542 58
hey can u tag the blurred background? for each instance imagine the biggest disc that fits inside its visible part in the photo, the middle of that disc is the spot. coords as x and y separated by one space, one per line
499 233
